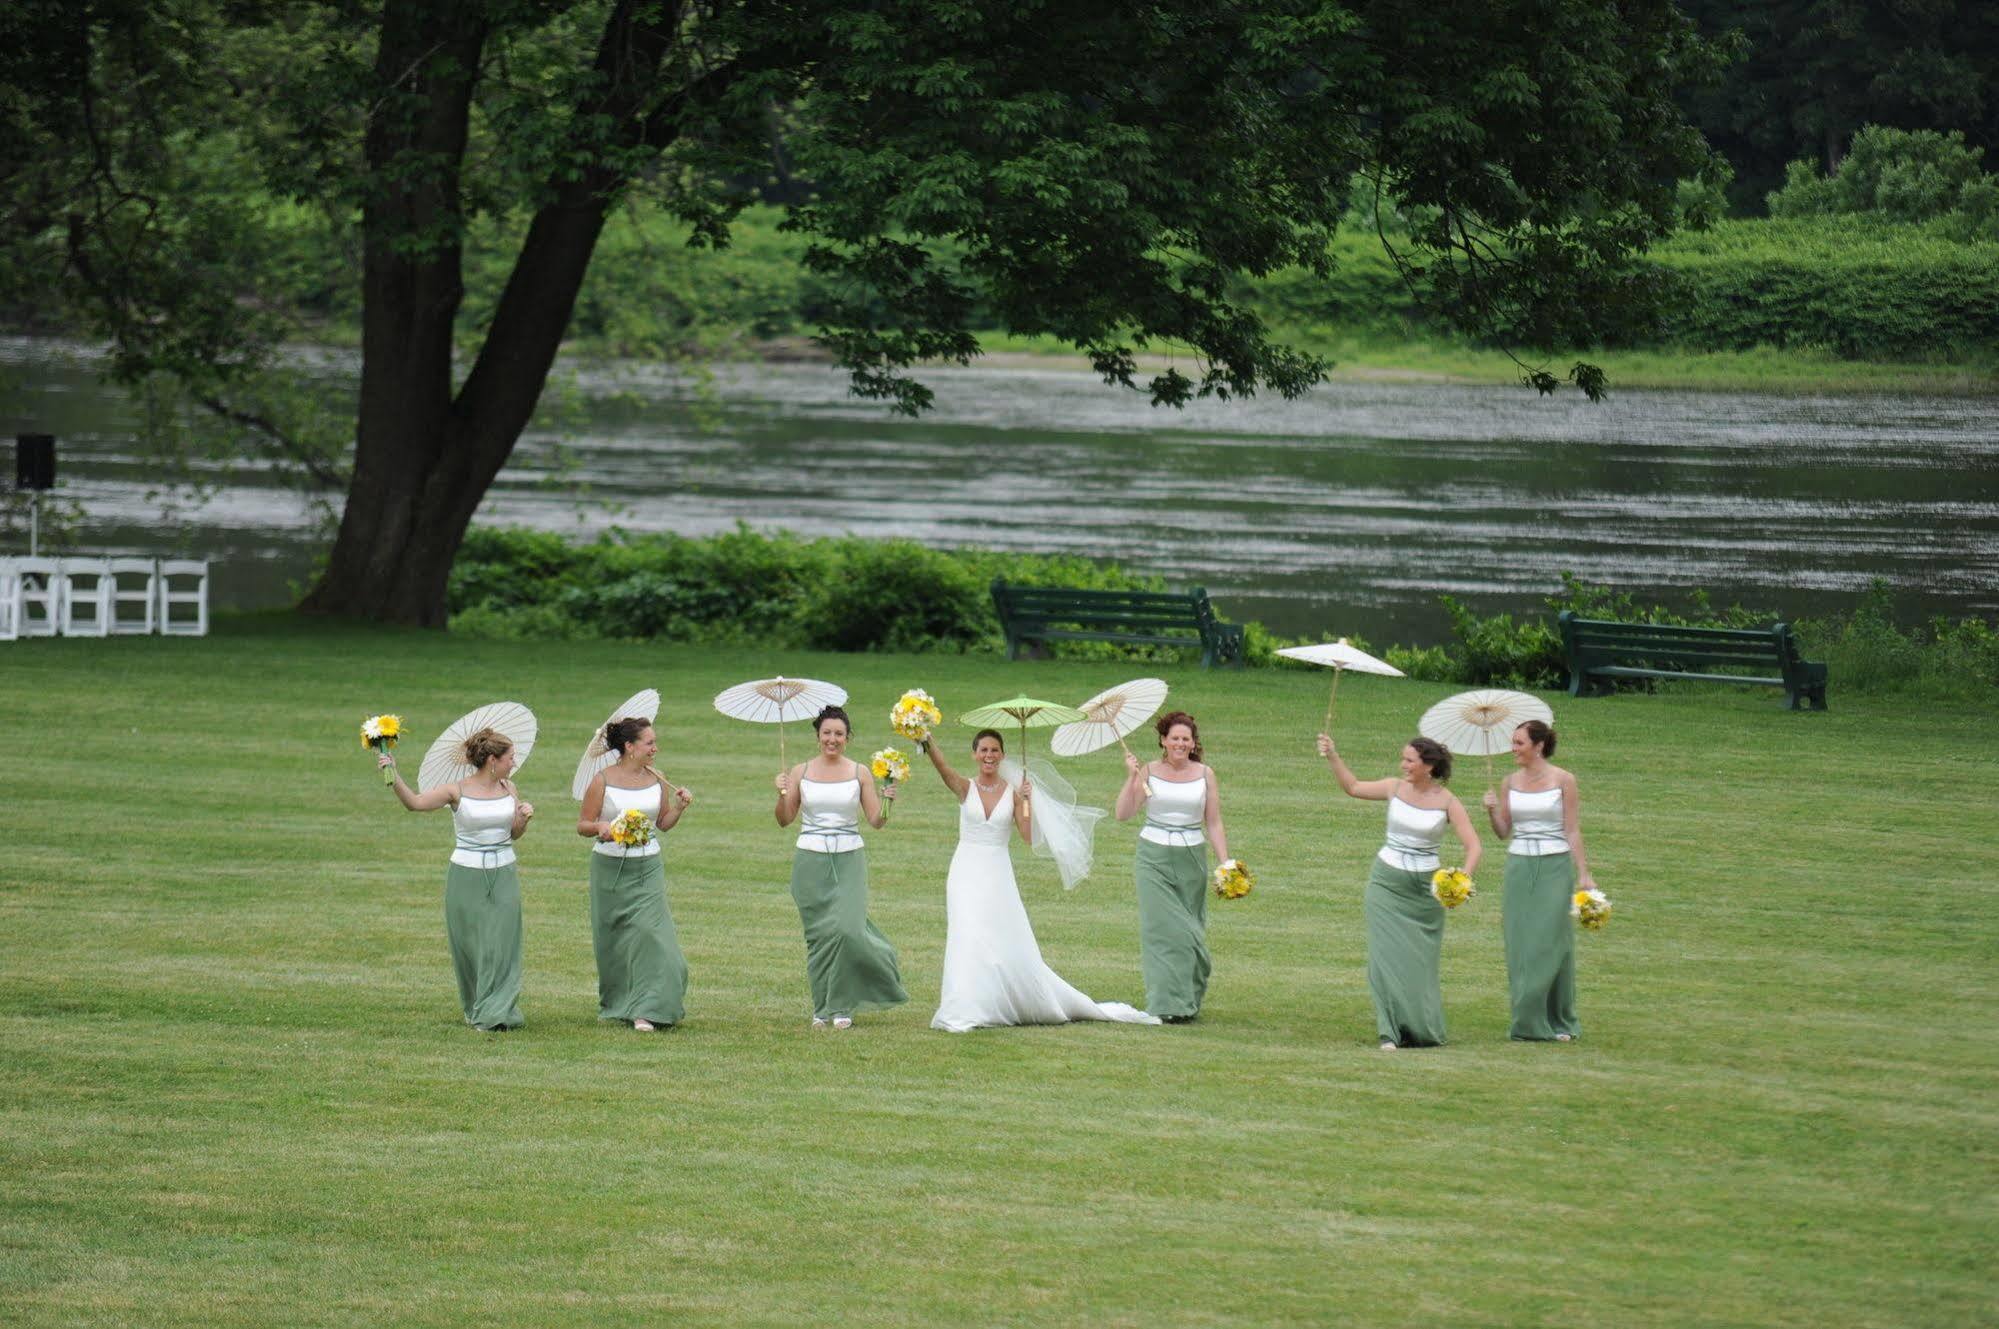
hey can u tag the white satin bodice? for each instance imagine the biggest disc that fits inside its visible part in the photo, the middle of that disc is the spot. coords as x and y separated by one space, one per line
616 803
829 815
1413 836
974 827
1537 822
484 830
1175 810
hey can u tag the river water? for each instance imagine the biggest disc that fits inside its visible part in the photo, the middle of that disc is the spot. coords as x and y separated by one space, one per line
1347 512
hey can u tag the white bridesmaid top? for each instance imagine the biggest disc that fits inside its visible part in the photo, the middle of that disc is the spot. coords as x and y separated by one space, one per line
829 815
1175 810
1413 836
616 801
1537 823
485 831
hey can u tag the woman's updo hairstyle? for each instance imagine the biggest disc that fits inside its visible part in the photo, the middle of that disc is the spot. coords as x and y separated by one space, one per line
984 734
1434 755
831 713
621 734
1165 725
1541 734
485 745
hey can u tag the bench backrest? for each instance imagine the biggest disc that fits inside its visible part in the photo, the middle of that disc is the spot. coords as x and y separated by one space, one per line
1050 604
1588 639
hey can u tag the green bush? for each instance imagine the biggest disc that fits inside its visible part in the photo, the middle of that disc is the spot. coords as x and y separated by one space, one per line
1857 286
1898 174
846 594
1867 651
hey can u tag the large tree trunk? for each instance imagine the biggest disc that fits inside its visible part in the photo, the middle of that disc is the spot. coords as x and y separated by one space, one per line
424 458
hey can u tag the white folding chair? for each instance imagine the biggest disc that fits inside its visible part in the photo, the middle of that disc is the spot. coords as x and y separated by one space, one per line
86 597
135 596
177 593
41 597
10 600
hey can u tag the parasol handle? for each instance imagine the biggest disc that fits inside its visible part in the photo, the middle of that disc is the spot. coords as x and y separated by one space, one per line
1331 696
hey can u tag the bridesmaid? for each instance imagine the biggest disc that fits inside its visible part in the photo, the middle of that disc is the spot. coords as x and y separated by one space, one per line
1405 921
1183 815
641 974
1541 812
482 887
849 963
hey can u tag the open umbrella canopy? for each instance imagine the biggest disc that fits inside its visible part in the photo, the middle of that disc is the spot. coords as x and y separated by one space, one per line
445 762
1339 655
1481 723
643 705
1021 711
779 700
1109 716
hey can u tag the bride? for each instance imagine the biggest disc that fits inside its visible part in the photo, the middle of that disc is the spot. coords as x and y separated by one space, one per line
993 971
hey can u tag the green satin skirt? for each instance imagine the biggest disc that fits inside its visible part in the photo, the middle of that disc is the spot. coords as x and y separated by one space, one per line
1405 947
1540 945
482 920
848 962
1173 927
641 974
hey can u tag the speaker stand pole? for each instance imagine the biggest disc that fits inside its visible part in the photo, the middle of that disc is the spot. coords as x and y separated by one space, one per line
34 522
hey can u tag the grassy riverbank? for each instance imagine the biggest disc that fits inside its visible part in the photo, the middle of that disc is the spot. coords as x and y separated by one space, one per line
1422 359
238 1091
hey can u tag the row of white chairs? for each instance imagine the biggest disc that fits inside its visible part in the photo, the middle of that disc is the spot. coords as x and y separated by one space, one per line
102 597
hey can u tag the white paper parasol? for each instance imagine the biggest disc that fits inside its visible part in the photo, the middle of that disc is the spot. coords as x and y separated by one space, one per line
779 701
445 762
1481 723
1109 716
642 705
1340 657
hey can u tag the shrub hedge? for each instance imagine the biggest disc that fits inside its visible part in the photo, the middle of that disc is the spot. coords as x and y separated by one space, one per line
852 594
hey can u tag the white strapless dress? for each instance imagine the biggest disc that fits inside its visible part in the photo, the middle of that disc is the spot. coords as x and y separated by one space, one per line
993 971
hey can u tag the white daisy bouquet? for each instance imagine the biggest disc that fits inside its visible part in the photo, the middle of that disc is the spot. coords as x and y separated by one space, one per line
379 734
631 829
1233 879
1452 886
913 715
1590 908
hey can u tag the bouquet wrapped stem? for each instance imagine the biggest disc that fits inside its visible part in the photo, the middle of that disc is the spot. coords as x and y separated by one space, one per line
379 734
890 768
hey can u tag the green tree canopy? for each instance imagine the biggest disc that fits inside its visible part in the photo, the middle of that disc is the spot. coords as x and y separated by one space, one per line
1097 173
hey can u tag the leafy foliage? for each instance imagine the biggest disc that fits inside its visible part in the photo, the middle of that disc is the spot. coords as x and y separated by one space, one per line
1901 176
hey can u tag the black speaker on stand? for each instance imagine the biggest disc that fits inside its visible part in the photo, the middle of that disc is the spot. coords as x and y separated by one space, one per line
34 471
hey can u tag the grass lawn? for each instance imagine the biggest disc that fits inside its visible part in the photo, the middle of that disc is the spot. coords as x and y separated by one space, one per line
237 1090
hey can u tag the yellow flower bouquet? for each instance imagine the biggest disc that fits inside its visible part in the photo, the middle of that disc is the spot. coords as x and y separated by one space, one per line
1233 879
1452 887
913 715
379 734
631 829
1591 908
890 768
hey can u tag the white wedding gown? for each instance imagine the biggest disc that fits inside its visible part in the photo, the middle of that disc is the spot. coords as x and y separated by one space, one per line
993 972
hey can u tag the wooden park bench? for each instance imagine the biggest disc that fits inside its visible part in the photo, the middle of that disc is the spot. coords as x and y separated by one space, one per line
1600 651
1146 618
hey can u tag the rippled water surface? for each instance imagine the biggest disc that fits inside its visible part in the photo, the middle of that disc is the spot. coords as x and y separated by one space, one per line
1348 511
